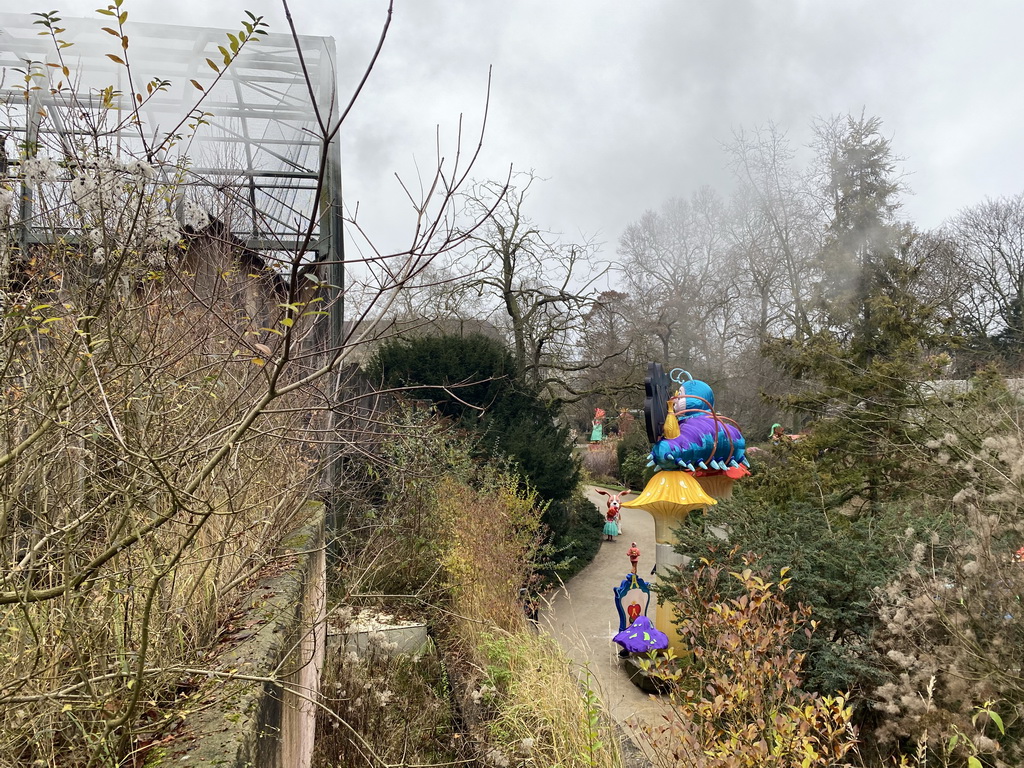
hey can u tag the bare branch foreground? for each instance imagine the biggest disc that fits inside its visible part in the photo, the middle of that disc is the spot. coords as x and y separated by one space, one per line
168 394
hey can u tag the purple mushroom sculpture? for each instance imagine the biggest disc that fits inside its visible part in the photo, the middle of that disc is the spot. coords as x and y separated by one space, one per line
641 636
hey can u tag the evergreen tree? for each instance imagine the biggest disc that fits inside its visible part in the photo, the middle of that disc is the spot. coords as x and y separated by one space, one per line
472 380
861 364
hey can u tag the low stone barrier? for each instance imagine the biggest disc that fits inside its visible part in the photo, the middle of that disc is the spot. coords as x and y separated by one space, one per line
264 686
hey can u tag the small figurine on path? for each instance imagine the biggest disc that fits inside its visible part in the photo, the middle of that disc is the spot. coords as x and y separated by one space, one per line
633 553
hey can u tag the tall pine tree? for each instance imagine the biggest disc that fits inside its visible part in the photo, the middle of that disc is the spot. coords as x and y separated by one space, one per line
863 361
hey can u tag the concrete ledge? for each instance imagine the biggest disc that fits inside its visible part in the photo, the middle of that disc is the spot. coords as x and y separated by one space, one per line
243 728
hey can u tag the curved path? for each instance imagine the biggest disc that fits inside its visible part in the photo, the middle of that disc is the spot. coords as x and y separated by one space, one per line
581 616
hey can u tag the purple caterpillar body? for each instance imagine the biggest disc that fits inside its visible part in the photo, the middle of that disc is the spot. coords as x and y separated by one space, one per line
703 443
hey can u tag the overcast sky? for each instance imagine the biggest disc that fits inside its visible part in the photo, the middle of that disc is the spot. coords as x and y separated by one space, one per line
621 105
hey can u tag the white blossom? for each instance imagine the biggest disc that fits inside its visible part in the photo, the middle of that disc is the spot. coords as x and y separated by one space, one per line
917 554
6 205
497 758
193 215
164 230
902 659
985 744
84 191
140 169
37 170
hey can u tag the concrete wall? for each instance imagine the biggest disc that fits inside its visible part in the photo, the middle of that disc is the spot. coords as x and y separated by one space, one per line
261 712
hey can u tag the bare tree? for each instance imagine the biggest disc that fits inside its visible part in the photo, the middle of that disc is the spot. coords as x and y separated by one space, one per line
523 282
674 265
989 254
618 351
775 231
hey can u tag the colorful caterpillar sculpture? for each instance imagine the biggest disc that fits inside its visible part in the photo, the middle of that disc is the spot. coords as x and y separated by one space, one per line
706 441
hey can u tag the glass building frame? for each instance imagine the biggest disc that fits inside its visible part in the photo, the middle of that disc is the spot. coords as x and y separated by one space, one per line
258 150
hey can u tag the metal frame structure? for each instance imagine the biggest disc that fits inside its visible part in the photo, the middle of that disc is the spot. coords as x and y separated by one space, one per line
258 146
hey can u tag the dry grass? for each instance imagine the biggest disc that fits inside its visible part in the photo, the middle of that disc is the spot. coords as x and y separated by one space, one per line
131 519
511 696
538 713
601 461
383 707
524 699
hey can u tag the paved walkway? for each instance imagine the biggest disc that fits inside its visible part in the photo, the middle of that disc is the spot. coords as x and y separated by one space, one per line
581 616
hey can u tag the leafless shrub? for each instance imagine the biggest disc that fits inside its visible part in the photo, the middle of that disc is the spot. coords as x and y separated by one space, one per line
165 412
601 461
951 634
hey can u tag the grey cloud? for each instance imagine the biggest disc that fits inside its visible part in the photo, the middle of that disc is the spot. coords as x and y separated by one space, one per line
622 105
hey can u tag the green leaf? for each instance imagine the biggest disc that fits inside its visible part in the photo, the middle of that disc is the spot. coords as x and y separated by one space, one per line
997 720
213 66
973 762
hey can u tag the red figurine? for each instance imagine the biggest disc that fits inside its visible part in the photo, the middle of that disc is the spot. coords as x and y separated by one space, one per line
633 553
